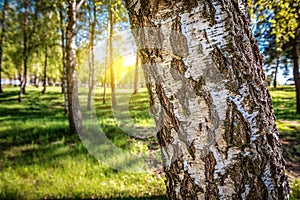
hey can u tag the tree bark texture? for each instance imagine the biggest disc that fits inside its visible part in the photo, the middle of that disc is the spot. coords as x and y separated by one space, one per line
25 51
5 4
205 78
75 119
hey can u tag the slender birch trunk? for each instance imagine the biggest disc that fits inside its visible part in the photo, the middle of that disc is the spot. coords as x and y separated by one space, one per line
45 70
136 74
276 72
106 64
105 73
64 72
111 64
5 4
25 51
75 118
205 78
92 58
296 72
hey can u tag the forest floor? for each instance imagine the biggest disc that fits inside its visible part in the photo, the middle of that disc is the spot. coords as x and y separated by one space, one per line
38 159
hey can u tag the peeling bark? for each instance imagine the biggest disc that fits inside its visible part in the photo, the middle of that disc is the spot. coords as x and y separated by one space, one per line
205 78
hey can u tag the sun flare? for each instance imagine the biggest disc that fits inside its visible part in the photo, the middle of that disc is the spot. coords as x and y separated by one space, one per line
129 60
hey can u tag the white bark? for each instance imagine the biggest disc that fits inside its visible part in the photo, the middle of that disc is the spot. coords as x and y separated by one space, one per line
218 136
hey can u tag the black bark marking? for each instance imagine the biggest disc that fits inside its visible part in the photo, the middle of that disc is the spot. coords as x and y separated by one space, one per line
179 66
237 130
188 189
209 12
211 187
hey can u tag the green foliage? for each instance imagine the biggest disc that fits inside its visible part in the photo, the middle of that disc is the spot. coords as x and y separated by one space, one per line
284 17
295 194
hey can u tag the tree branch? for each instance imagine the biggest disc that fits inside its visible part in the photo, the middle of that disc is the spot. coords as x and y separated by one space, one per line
79 4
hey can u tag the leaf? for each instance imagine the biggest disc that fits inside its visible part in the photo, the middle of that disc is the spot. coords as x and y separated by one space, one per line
272 21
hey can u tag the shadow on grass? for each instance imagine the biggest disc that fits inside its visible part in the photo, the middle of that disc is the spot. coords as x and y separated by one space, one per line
32 121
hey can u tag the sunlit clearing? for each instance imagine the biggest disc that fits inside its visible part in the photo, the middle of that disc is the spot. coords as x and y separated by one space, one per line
129 60
124 69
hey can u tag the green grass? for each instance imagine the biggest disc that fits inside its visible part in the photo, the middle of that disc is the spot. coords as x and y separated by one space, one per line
38 159
288 124
284 102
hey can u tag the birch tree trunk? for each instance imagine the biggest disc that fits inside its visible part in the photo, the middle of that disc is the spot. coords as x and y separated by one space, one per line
205 78
64 72
25 51
111 63
296 73
105 73
45 69
276 72
136 74
92 56
3 32
75 119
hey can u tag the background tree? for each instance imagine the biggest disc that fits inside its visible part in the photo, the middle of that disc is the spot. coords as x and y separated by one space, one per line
64 87
93 20
105 73
284 17
5 4
75 121
136 75
49 31
111 63
25 51
218 134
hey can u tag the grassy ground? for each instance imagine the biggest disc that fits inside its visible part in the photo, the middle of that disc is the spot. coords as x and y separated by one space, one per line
39 160
288 123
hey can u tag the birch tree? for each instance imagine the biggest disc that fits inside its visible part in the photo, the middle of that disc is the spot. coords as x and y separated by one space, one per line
63 47
92 22
285 22
136 74
111 64
205 78
5 5
75 121
25 51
